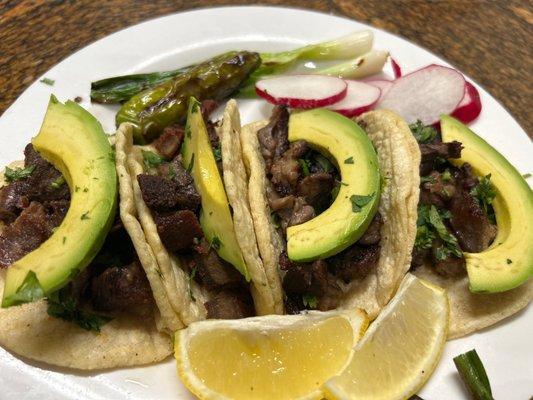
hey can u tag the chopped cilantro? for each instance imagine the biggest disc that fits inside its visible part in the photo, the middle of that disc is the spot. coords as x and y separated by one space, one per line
304 164
435 220
525 176
442 253
190 279
359 201
56 184
484 193
85 190
276 220
429 178
423 133
424 237
191 164
446 175
309 301
171 172
29 291
76 189
64 239
217 153
62 304
48 81
349 160
188 132
85 216
509 261
111 156
216 243
151 159
17 174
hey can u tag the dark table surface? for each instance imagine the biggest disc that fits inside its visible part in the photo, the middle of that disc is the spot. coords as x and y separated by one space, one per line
489 40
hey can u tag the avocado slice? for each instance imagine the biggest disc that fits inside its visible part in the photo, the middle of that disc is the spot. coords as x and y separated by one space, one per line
215 217
75 143
508 262
344 222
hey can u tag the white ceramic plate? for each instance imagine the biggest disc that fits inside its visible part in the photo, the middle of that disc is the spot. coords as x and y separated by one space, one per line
182 39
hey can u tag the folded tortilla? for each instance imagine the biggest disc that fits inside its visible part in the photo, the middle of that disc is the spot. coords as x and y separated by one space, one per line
183 295
399 159
128 340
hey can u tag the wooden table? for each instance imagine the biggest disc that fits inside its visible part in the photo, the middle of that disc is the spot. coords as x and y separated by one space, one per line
490 40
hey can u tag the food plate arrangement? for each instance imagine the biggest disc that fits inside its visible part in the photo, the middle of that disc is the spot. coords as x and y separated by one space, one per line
428 88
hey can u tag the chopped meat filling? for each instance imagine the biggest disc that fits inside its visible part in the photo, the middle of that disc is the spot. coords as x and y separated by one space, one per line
178 230
229 305
169 143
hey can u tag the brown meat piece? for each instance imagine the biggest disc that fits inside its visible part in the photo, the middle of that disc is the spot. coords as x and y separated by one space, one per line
273 138
28 232
40 182
286 169
159 193
13 199
212 271
372 234
470 224
316 189
439 190
432 151
310 278
451 266
169 143
178 230
229 305
302 212
120 288
355 262
282 203
187 195
207 107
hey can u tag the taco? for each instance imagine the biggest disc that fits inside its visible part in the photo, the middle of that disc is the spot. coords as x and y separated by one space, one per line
458 228
196 219
103 315
293 164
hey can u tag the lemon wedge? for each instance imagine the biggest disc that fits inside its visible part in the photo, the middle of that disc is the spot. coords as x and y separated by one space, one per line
401 348
269 357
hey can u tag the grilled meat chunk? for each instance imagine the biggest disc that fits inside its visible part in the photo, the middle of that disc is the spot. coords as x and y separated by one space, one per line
355 262
120 288
169 143
178 230
439 150
273 138
13 199
229 305
316 189
310 279
372 234
286 169
302 212
450 266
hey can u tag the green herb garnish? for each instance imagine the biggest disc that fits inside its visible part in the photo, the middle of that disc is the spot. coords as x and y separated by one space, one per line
85 216
324 163
217 153
304 164
191 278
191 164
424 237
309 301
48 81
484 193
56 184
151 159
349 160
216 243
62 304
17 174
423 133
359 201
30 290
434 218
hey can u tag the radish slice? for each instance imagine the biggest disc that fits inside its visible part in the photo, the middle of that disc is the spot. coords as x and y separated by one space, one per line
302 91
470 107
360 97
396 68
425 94
382 84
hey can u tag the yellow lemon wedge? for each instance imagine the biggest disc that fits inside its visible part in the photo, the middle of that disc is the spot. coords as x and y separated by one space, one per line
401 348
269 357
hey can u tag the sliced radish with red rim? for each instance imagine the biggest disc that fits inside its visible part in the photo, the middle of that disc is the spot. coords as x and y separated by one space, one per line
383 84
302 91
360 97
470 106
425 94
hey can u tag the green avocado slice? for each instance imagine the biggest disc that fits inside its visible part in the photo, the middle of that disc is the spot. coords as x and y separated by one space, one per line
215 217
508 262
346 145
75 143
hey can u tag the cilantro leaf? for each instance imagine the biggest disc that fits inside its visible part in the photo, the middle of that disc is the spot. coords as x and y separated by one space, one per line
190 279
435 220
324 163
151 159
62 304
309 301
359 201
349 160
216 243
48 81
423 133
56 184
217 153
424 237
304 164
484 193
30 290
17 174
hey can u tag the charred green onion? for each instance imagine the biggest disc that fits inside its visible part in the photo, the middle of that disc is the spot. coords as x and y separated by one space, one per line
473 375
